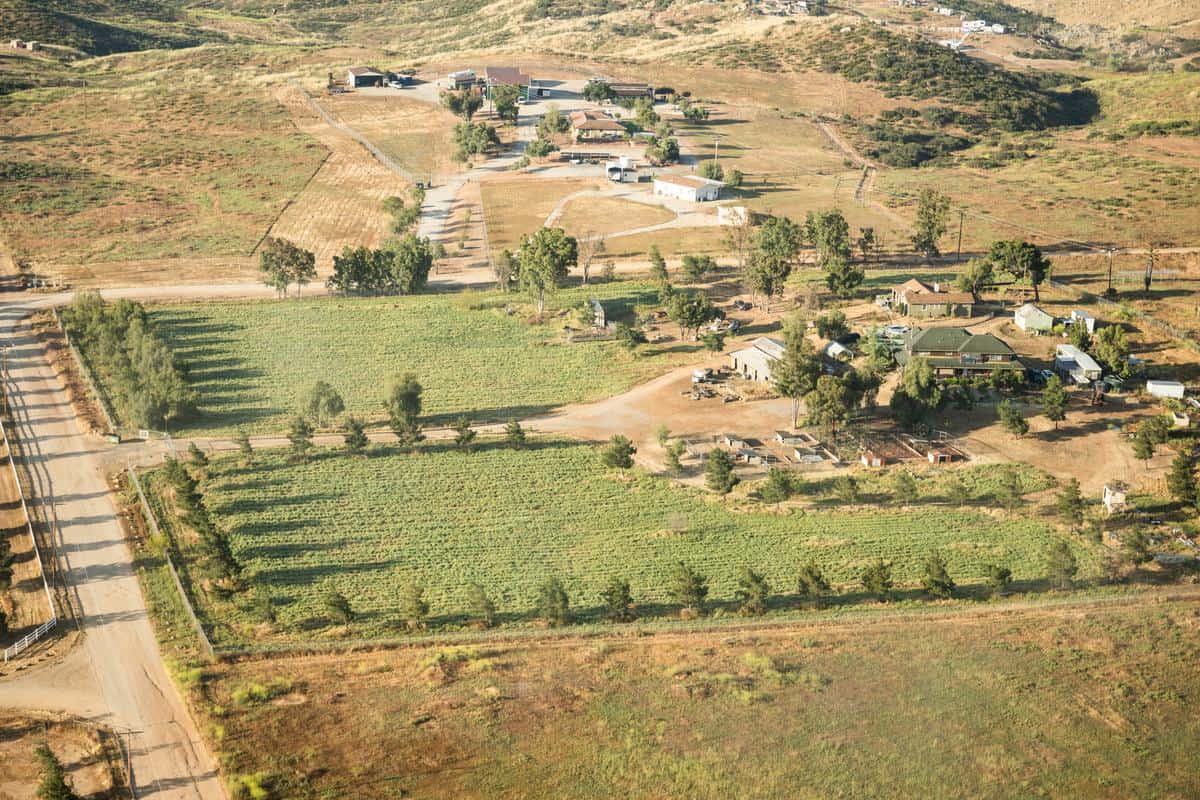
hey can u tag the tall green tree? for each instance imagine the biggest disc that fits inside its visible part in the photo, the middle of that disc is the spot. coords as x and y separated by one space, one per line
617 599
936 580
1061 565
414 608
411 259
777 245
506 99
919 394
283 263
1023 259
752 594
300 435
242 442
688 588
1069 502
658 265
403 405
482 609
876 579
356 437
322 403
976 274
998 578
829 404
1111 349
618 453
464 435
545 260
778 486
933 212
795 374
514 434
811 583
463 102
690 310
553 604
1054 400
1181 479
718 471
1011 418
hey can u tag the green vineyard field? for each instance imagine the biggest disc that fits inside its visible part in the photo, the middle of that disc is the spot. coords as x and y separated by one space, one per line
510 519
251 361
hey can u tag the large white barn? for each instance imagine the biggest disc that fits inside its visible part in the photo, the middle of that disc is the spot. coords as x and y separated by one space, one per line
755 360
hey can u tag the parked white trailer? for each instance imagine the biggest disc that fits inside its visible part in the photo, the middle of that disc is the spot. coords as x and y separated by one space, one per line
1165 389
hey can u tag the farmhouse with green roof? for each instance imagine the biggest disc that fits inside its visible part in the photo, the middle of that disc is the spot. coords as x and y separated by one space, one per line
956 352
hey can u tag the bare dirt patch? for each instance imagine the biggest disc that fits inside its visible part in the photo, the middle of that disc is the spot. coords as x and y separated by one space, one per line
90 754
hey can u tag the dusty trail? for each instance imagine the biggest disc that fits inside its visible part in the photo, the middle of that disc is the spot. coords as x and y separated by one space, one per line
116 675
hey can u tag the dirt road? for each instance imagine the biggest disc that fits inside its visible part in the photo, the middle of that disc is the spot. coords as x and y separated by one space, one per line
116 675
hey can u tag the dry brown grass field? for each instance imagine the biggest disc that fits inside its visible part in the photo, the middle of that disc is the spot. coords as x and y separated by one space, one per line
604 215
519 205
341 206
979 705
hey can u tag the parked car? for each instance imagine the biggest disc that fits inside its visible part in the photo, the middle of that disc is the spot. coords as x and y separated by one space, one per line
702 375
741 305
735 325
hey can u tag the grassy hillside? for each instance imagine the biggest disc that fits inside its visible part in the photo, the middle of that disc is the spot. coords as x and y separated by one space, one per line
101 27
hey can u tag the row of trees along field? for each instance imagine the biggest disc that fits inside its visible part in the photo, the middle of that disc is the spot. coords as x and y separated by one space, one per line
400 266
145 383
689 589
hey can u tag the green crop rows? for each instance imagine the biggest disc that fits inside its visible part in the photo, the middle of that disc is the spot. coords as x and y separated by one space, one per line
252 361
509 519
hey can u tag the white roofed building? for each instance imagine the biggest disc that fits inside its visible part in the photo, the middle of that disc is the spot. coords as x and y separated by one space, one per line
755 360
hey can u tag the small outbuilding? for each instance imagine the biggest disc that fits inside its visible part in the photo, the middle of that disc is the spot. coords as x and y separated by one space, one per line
1080 317
1172 389
754 361
1113 498
358 77
941 304
1032 319
687 187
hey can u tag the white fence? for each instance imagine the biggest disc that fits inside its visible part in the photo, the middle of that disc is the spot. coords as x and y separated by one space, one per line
29 639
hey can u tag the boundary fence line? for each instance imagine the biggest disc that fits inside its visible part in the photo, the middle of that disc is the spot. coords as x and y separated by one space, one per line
156 531
27 641
375 152
85 369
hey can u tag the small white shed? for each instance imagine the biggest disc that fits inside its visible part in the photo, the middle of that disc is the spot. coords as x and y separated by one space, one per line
1165 389
1032 319
1080 317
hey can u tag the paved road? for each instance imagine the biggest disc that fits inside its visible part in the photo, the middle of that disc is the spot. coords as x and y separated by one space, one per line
116 675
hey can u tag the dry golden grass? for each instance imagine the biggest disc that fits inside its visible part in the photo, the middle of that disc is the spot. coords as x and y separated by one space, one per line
604 215
520 205
416 135
341 206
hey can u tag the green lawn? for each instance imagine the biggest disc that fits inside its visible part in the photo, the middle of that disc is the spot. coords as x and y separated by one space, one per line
511 519
251 362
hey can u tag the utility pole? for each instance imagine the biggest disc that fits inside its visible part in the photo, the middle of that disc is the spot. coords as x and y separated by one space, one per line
958 254
717 149
1108 291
